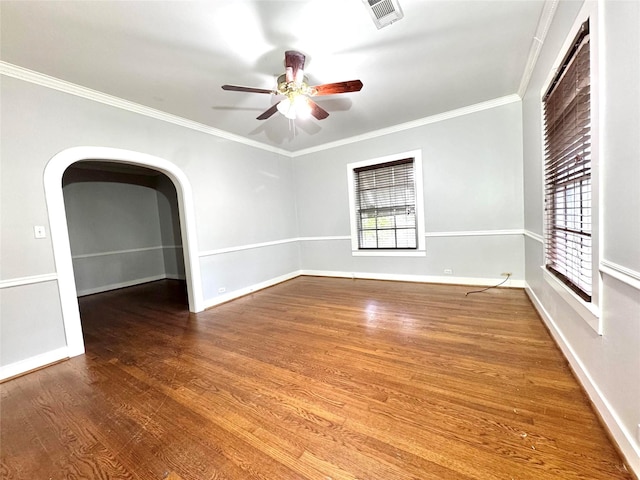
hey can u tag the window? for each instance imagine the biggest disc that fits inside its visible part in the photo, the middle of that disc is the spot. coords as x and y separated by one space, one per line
386 205
567 169
385 198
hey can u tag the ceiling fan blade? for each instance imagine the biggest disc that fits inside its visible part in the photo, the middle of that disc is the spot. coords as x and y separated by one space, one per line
338 87
316 110
268 113
294 66
236 88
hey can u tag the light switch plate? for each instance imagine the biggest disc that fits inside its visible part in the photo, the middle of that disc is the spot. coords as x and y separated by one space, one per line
39 231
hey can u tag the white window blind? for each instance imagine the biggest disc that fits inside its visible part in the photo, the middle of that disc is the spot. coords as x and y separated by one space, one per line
568 209
386 205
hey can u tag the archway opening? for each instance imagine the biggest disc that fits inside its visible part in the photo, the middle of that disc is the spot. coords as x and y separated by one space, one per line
124 226
54 173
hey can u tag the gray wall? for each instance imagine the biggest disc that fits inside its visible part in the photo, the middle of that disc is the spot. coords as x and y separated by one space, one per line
472 168
609 365
123 226
252 205
242 195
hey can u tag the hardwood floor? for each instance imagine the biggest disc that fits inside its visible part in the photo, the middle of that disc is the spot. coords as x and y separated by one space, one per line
314 378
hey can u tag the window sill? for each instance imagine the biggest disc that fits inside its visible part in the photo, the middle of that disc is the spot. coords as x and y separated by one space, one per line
590 313
388 253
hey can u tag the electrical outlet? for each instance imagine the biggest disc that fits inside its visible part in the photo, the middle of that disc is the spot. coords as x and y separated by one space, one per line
448 271
222 290
506 274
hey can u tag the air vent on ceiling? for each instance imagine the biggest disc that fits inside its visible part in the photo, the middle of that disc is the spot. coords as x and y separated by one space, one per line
384 12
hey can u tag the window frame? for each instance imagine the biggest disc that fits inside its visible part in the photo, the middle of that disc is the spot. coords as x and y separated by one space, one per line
420 250
567 165
588 310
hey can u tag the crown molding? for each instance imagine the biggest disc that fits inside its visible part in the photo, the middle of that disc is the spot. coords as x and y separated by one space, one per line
15 71
31 76
478 107
546 17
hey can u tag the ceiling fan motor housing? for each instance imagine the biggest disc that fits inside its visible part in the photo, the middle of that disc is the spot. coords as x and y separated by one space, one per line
291 89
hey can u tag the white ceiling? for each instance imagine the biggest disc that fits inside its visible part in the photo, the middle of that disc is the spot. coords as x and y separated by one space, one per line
174 56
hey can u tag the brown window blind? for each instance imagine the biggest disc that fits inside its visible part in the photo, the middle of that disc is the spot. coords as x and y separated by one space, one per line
567 128
386 205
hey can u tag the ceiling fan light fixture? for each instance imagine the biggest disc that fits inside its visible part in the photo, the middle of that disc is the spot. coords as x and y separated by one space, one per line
302 108
286 108
294 86
294 107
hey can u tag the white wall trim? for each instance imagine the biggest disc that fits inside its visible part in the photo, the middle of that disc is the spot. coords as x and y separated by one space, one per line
416 156
19 282
53 173
122 252
475 233
534 236
388 253
240 248
15 71
449 280
470 281
478 107
624 274
173 276
588 11
33 363
129 283
115 286
226 297
624 439
321 239
250 246
589 312
546 17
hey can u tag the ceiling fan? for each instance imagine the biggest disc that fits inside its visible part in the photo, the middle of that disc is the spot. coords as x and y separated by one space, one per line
293 84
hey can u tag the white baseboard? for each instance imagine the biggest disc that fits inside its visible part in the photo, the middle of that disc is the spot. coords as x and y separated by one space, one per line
128 283
226 297
172 276
623 438
33 363
472 281
450 280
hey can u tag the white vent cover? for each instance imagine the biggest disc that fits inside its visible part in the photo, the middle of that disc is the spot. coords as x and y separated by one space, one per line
384 12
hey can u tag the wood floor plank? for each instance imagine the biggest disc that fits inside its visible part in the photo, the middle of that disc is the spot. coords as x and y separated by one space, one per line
314 378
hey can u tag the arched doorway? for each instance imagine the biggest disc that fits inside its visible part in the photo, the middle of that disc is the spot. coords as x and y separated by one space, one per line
53 174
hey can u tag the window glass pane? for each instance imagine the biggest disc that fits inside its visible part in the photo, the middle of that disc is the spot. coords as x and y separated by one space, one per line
386 202
406 238
385 222
405 221
368 239
386 239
